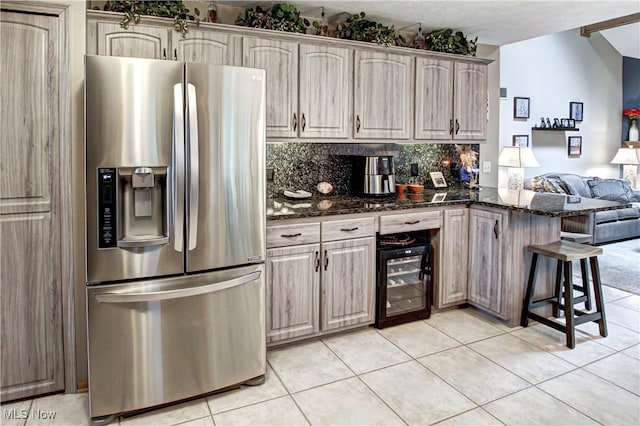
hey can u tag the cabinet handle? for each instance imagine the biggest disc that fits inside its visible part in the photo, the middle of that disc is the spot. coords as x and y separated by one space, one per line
304 122
457 126
326 260
357 123
317 261
175 54
451 126
290 235
295 121
413 222
495 229
349 229
164 53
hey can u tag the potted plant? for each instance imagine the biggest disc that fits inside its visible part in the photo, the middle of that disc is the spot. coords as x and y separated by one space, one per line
281 17
133 9
358 28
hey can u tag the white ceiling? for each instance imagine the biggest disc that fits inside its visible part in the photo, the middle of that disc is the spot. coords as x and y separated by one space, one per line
493 22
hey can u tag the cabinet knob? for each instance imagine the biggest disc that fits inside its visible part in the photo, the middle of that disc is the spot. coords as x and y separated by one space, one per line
495 229
349 229
457 126
304 122
317 261
175 54
290 235
451 126
411 222
357 123
164 53
295 121
326 260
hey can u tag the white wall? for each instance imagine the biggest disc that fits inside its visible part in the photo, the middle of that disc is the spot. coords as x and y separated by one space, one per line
554 70
489 150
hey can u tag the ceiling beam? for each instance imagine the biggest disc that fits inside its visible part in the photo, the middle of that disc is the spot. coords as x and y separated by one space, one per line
611 23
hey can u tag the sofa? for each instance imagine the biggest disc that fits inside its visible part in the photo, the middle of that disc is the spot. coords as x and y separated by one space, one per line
604 226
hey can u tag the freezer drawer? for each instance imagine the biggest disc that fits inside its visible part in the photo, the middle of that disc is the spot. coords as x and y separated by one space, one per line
158 341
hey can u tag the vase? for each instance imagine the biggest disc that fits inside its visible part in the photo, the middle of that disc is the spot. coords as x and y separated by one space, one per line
633 131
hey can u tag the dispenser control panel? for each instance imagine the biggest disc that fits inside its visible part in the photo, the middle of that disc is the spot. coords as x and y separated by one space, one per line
107 229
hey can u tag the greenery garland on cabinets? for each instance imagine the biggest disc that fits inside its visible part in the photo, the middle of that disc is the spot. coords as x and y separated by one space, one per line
133 9
358 28
450 42
281 17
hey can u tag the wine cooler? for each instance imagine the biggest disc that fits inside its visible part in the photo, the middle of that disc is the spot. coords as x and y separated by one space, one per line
403 291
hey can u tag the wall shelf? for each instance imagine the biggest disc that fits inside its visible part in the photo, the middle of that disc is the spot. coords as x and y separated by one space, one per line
559 129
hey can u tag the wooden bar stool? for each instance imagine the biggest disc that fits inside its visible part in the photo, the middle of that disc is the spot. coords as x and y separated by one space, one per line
565 252
577 237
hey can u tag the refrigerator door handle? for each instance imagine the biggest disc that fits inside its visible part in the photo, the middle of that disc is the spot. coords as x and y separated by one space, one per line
178 168
194 185
175 294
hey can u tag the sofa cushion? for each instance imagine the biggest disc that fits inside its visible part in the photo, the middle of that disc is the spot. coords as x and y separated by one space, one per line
606 216
611 189
629 213
546 184
576 185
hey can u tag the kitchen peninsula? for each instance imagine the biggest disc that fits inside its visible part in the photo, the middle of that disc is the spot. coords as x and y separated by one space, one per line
321 252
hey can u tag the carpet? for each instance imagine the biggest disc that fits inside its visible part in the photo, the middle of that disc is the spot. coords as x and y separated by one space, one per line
620 265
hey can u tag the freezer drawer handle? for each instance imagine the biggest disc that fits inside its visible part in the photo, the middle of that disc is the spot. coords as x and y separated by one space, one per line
175 294
144 242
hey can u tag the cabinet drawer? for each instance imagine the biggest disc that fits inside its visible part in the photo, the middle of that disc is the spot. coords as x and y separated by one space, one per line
410 222
289 235
348 228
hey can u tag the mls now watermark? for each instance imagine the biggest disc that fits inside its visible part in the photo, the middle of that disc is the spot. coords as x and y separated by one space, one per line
15 414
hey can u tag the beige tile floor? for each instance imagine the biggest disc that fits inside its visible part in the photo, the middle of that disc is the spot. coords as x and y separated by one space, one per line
459 367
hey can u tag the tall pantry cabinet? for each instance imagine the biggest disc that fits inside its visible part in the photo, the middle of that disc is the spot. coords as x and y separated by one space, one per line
35 213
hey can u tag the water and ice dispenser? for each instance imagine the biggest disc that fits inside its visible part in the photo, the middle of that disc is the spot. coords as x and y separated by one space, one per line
133 207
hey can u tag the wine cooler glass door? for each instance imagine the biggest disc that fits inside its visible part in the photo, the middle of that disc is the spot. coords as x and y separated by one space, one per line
406 285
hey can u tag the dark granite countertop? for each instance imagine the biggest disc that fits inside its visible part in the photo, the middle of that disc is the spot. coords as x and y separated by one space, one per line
538 203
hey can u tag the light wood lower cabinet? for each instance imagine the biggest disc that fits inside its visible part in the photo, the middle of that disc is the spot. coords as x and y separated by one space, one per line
319 287
293 286
452 267
486 245
348 283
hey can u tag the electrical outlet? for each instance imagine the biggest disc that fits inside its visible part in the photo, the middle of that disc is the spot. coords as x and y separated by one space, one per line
269 175
414 169
486 167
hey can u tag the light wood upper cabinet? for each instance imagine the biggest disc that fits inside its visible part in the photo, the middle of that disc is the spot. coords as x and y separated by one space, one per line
451 100
280 60
207 47
434 99
383 95
486 239
326 92
139 41
292 291
470 101
452 268
31 204
348 283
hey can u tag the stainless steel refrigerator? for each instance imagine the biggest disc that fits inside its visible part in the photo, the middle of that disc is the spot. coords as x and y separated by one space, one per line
175 230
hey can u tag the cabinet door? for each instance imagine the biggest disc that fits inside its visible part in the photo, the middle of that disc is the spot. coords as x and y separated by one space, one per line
434 99
383 95
138 41
470 102
30 197
293 280
326 92
452 288
207 47
280 59
348 283
485 261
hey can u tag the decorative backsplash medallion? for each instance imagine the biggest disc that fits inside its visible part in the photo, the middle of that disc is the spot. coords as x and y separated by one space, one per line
304 165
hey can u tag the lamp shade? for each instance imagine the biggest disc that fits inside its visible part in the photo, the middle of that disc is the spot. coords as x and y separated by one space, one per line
626 156
517 156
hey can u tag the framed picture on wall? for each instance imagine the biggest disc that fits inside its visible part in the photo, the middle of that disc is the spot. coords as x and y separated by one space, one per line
521 140
575 145
575 111
520 107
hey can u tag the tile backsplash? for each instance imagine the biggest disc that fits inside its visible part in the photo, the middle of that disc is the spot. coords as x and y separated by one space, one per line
304 165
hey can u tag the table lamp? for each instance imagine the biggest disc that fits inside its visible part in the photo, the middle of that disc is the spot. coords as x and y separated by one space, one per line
629 158
516 158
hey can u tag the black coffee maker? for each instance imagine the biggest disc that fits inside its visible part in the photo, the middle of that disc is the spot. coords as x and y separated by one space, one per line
373 176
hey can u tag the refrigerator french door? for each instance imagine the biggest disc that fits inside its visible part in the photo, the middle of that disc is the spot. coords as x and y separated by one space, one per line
175 227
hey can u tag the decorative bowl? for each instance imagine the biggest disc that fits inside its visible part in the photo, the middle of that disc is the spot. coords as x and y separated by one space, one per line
401 187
